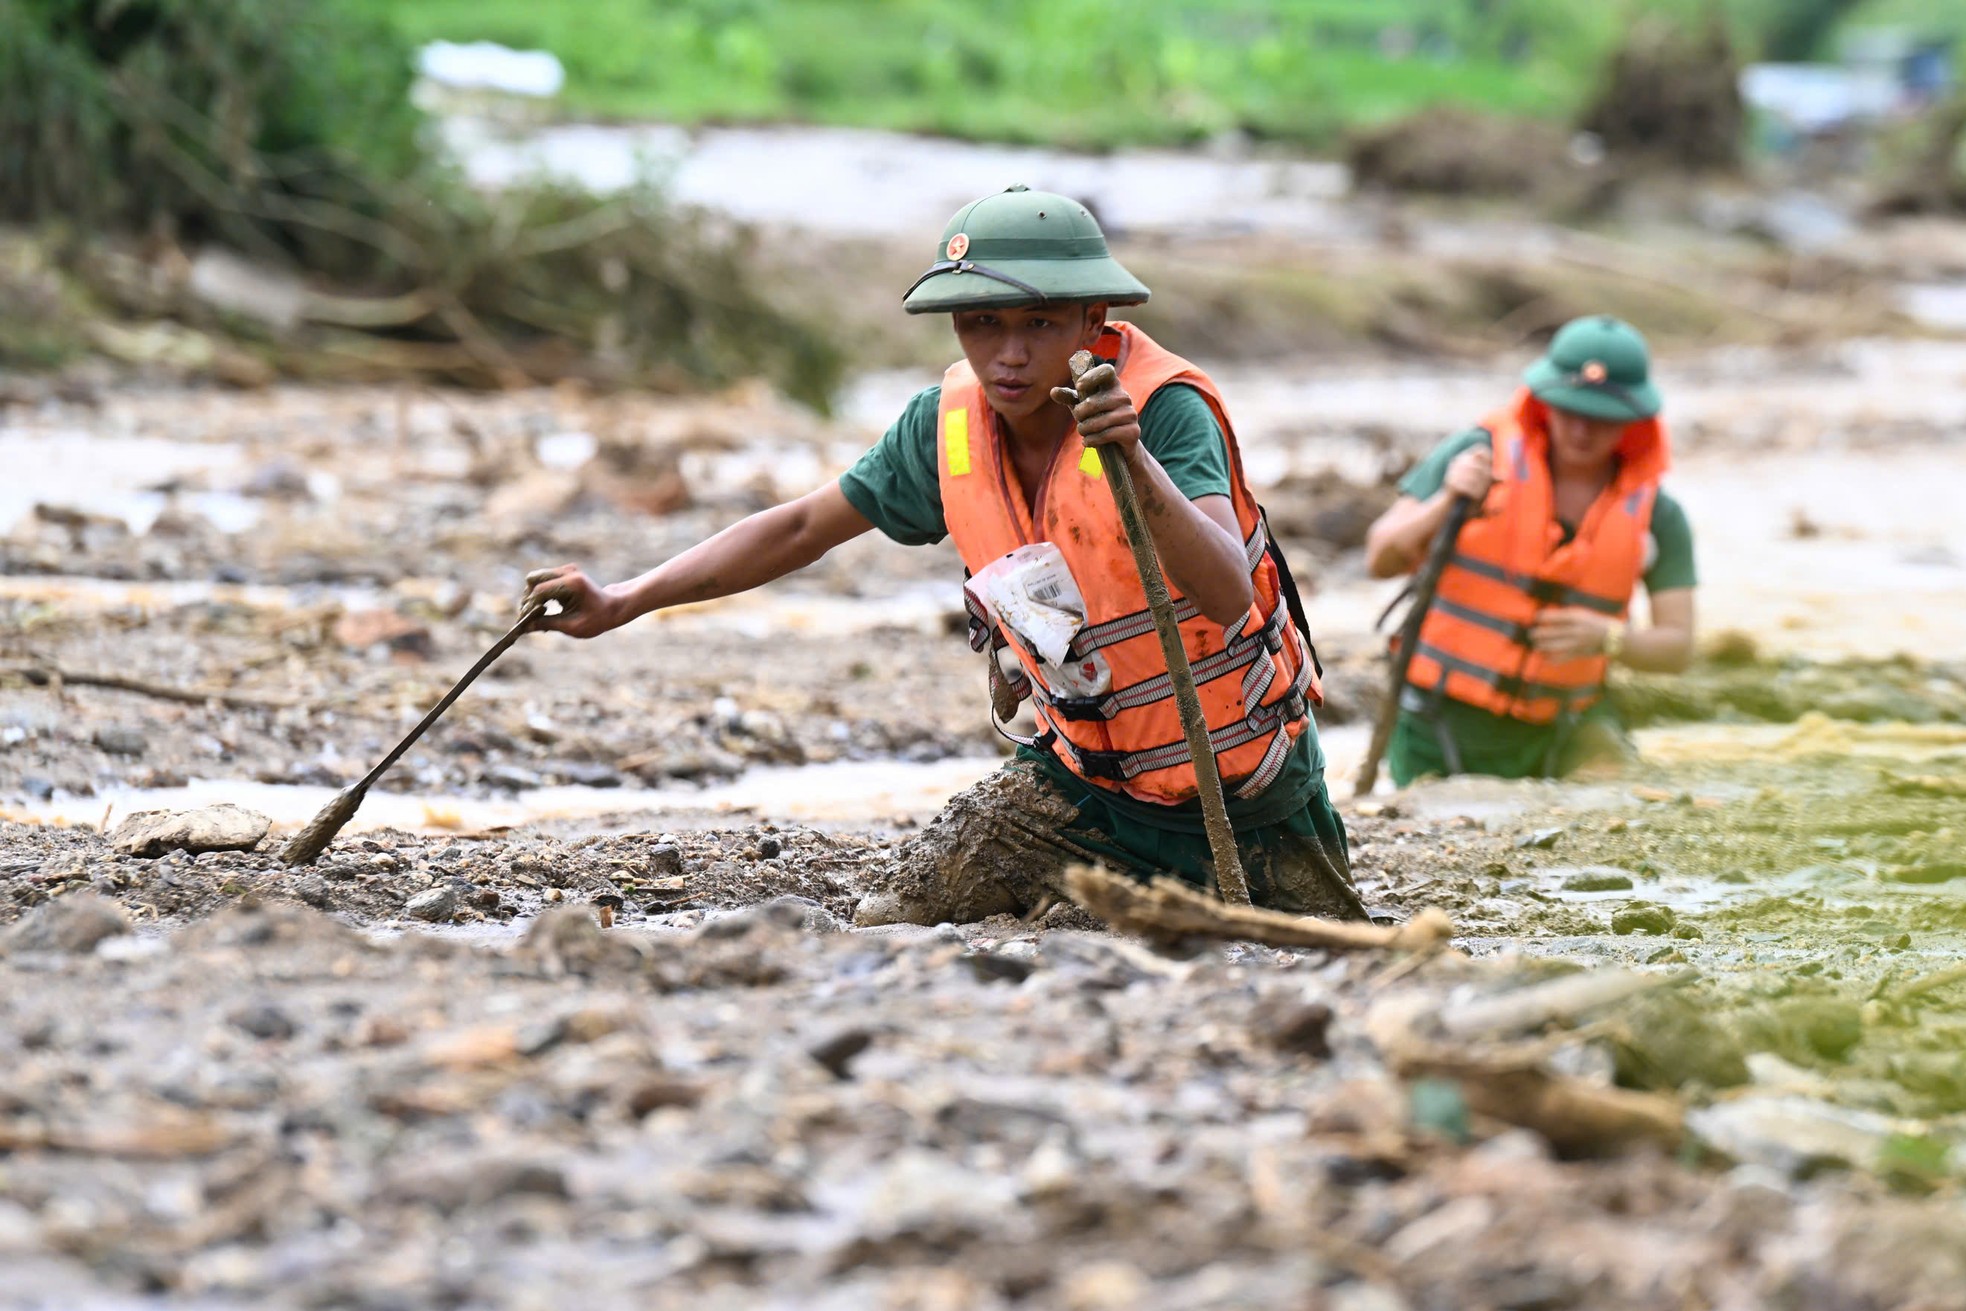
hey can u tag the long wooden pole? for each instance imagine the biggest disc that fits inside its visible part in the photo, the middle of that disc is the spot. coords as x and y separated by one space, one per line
1208 779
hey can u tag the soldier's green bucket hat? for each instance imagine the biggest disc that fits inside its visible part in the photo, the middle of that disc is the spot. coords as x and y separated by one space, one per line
1022 247
1597 367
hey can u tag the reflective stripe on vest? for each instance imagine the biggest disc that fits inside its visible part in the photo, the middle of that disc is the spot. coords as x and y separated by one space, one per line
1511 563
1129 739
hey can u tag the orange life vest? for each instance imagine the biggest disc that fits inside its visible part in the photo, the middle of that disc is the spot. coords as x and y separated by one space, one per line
1257 676
1511 563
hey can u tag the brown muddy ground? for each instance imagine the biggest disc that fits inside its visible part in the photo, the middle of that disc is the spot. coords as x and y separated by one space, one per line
419 1073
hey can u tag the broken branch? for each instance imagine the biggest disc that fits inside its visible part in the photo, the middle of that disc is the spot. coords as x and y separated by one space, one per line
1164 910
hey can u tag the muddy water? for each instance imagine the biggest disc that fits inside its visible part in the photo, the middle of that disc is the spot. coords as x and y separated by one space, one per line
853 793
854 183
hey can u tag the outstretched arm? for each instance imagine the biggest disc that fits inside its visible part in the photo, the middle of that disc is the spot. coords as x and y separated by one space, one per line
748 554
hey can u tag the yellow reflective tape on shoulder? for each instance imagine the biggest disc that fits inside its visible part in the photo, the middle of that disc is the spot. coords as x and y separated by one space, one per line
1089 463
955 441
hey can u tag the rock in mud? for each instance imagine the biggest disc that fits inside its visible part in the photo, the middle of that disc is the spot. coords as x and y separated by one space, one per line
1597 878
120 740
1643 917
435 906
1795 1135
1665 1041
836 1051
264 1021
313 889
1294 1024
223 827
1802 1028
74 923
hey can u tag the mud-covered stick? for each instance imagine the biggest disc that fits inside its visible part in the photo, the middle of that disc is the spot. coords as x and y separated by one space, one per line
1214 810
311 841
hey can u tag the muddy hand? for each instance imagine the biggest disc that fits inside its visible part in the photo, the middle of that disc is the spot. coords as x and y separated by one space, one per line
1100 406
584 607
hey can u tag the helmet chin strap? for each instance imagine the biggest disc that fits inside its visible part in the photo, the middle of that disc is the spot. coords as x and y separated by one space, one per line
971 266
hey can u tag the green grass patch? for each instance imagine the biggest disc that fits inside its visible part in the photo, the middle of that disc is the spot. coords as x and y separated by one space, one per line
1089 73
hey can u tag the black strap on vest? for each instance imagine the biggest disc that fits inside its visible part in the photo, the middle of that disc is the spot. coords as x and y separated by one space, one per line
1288 586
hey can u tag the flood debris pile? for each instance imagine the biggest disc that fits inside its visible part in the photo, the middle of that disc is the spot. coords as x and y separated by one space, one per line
267 207
269 1106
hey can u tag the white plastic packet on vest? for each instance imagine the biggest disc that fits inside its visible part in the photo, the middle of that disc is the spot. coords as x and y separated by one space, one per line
1032 592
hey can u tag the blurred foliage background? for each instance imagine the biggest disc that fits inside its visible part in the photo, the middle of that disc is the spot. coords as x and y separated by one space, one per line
284 130
1104 73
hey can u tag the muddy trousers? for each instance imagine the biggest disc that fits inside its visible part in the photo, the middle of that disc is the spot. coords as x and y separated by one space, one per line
1003 846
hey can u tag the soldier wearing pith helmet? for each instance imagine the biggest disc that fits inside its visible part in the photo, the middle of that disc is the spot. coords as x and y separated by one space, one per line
1002 458
1535 602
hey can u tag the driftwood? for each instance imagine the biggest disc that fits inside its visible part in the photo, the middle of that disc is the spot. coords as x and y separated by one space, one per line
1505 1080
1165 910
51 676
1925 983
1524 1010
1578 1118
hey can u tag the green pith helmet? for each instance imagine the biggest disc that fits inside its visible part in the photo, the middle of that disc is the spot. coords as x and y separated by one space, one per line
1022 247
1597 367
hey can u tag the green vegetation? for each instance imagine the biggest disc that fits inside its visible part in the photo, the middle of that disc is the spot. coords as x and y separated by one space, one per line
1084 72
1098 73
283 129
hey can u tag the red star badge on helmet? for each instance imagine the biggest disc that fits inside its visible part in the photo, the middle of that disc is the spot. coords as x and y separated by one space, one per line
958 245
1594 371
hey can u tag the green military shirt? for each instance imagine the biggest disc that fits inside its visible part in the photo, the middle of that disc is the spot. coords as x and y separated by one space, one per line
1496 744
896 485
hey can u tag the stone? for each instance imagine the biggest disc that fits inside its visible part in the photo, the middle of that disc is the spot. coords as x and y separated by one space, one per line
120 740
1643 917
836 1051
358 630
1294 1024
995 967
436 905
264 1021
313 889
585 773
1798 1136
1665 1040
1597 878
1541 839
477 1182
74 923
769 847
36 788
223 827
801 913
512 778
1106 1286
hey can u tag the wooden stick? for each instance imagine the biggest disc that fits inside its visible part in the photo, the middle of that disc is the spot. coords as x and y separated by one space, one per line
1166 910
1925 983
1425 583
1208 780
1578 1118
53 676
1521 1010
